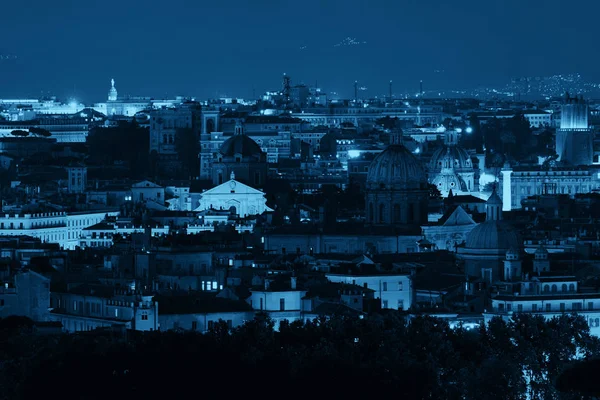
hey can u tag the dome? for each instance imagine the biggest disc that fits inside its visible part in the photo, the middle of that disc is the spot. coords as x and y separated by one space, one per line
240 144
396 165
461 158
493 235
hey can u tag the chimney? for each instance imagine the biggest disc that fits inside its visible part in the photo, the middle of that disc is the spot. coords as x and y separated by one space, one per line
293 282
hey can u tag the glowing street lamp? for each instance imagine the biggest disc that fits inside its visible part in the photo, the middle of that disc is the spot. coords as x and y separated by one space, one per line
469 129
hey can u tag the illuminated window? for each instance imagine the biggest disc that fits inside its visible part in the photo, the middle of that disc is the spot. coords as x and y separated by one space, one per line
214 285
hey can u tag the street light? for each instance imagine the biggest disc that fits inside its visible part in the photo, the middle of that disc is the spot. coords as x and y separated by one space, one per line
469 129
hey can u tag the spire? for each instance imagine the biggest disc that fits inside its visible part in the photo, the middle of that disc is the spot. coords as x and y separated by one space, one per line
494 207
232 176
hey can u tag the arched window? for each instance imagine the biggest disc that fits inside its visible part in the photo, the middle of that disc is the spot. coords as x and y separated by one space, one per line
396 213
564 287
546 288
571 287
554 288
381 213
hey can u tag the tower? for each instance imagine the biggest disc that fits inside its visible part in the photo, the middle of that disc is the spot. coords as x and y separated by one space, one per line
506 187
574 139
512 265
540 261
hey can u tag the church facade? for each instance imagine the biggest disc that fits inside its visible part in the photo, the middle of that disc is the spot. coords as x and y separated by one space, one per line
240 199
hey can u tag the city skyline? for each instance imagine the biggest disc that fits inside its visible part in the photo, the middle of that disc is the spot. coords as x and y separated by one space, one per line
231 50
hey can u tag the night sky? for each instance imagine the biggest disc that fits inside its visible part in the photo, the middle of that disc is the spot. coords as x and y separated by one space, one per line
206 48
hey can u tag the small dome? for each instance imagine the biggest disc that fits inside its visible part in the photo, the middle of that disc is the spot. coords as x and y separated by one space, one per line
493 235
240 144
396 165
460 157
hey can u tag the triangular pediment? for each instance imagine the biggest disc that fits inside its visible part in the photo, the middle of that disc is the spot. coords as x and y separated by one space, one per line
145 184
459 217
232 186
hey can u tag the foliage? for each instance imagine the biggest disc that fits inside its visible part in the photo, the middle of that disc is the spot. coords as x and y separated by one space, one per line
19 133
39 132
422 358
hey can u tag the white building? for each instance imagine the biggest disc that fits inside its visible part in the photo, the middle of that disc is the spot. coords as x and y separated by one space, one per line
394 290
62 228
281 302
146 191
240 199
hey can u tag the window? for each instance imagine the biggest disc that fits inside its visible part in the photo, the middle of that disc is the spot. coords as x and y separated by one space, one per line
214 285
519 307
548 307
562 306
400 286
229 324
590 305
385 304
116 312
384 286
577 306
400 304
534 307
281 304
211 325
194 325
144 316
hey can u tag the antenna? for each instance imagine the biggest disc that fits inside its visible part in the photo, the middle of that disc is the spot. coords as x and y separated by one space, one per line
421 88
390 90
356 91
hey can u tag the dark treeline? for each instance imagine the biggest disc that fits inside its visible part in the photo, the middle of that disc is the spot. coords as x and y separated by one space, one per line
379 355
